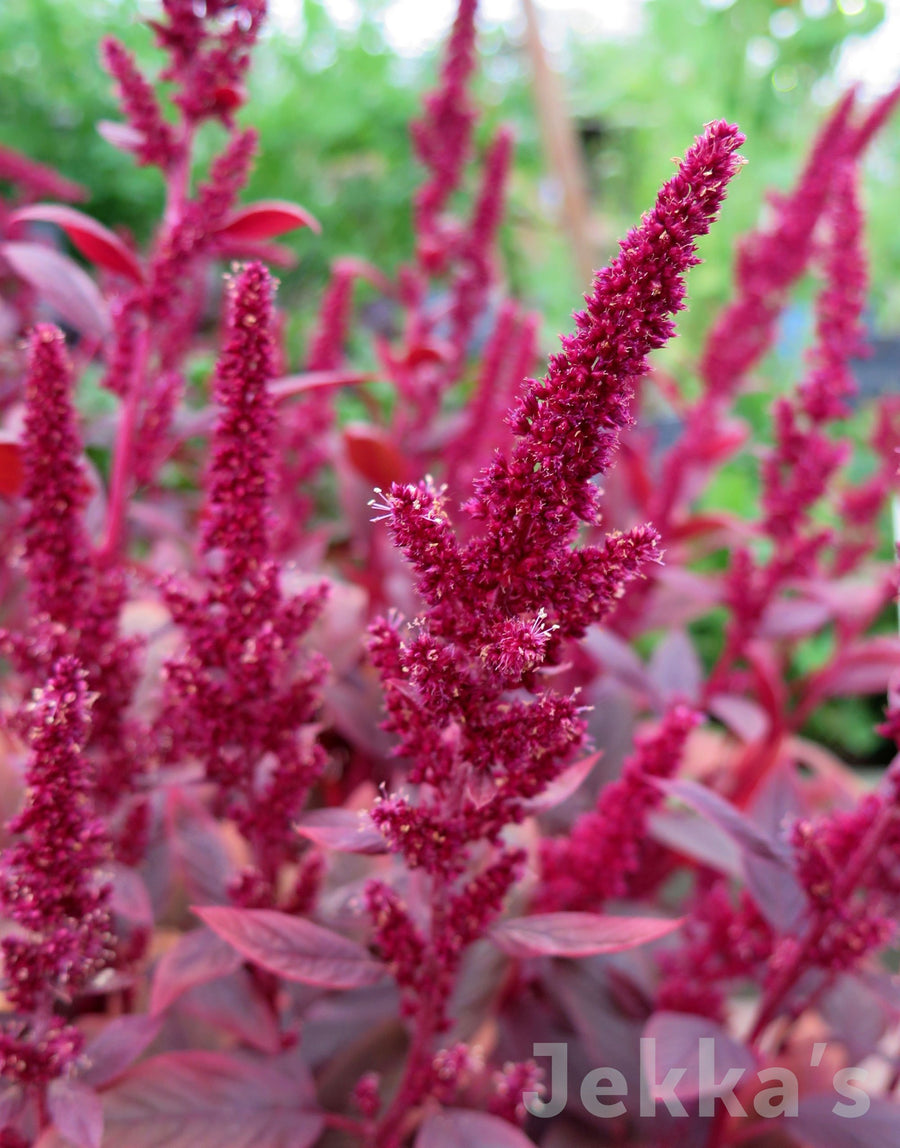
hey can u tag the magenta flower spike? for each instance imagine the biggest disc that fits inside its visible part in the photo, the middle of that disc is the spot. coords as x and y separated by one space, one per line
56 487
238 696
481 731
48 883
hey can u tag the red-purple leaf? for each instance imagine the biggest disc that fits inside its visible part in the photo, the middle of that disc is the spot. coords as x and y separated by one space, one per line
12 471
675 668
619 660
36 177
577 934
743 717
195 958
793 618
701 525
851 599
290 385
116 1048
128 894
59 281
463 1128
211 1100
235 1005
122 136
95 242
428 351
724 440
863 669
294 948
266 219
855 1013
374 455
748 837
198 848
564 786
12 1101
676 1045
77 1113
695 837
344 830
765 862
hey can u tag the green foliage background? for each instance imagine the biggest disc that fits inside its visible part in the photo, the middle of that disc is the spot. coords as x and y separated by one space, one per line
332 107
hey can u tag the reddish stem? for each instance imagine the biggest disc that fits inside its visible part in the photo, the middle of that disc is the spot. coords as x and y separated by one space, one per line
789 973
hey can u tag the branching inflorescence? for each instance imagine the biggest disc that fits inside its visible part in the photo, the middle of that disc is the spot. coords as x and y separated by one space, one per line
483 733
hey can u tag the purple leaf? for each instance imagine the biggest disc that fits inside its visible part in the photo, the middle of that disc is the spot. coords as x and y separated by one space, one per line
863 669
619 660
765 862
463 1128
852 599
77 1113
679 597
675 668
336 1021
696 838
793 618
235 1005
676 1045
95 242
821 1127
122 136
577 934
343 830
208 1100
289 385
198 849
564 786
746 720
855 1013
195 958
116 1048
128 894
60 282
294 948
12 1101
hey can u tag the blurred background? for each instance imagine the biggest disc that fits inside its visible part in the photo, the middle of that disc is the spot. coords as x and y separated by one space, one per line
335 83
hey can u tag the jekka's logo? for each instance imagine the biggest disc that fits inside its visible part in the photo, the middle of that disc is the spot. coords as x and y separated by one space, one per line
605 1093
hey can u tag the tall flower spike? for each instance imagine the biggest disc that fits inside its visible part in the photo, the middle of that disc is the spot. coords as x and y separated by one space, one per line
483 732
155 137
236 698
239 474
771 259
442 136
56 546
47 881
476 248
594 863
840 333
567 425
305 424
